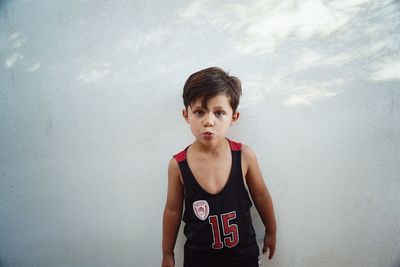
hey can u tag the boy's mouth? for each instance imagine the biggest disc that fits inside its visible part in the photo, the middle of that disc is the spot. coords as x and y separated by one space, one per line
207 134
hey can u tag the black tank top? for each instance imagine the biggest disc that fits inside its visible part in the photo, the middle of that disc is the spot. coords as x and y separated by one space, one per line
218 225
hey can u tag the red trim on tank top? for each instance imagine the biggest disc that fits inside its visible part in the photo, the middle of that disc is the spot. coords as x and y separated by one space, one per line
235 146
181 156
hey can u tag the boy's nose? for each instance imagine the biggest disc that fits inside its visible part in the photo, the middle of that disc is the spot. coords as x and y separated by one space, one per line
209 120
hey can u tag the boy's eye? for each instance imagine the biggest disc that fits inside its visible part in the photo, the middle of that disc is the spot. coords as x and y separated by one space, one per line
219 113
198 113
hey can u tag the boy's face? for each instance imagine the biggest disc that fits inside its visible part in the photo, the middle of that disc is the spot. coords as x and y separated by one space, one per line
210 124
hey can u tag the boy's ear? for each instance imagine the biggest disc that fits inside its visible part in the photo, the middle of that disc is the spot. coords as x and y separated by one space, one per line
235 117
185 115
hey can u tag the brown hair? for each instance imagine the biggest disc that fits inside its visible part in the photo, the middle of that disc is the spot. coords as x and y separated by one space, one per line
209 82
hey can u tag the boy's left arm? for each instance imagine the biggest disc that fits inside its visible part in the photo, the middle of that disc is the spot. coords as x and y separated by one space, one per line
261 198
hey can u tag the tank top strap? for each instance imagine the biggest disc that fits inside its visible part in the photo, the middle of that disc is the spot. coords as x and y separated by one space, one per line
235 146
181 156
189 182
236 171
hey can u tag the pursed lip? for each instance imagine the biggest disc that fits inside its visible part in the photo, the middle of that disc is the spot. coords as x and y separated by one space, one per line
207 135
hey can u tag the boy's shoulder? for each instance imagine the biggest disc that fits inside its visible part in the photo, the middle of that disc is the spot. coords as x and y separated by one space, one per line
248 154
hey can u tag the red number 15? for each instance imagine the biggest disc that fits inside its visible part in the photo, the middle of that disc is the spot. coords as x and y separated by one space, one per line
230 231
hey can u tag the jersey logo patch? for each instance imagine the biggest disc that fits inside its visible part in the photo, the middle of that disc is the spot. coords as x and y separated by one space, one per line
201 209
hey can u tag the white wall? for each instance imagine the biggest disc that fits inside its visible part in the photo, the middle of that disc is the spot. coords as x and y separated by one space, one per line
90 115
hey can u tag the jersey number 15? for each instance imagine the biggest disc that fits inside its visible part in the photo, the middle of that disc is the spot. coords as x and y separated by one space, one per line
229 231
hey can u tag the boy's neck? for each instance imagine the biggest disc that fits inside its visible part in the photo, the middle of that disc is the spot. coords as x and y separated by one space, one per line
212 148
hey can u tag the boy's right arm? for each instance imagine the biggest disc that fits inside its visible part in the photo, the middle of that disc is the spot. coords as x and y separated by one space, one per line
172 213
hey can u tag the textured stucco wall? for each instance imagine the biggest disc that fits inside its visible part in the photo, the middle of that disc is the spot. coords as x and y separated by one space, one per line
90 115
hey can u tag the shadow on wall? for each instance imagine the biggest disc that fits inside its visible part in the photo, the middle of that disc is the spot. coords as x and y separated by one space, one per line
396 262
354 41
2 5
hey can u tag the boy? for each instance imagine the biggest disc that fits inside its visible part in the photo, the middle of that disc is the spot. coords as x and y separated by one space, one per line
211 177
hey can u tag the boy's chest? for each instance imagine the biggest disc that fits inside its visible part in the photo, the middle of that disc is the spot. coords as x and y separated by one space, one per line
211 174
